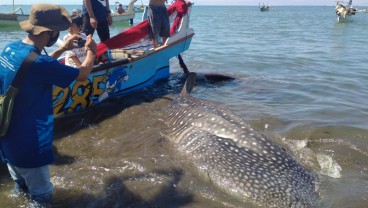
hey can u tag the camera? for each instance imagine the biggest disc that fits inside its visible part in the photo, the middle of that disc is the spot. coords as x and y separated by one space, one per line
81 42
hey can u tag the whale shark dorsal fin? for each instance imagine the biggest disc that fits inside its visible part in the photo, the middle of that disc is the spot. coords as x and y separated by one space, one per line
189 83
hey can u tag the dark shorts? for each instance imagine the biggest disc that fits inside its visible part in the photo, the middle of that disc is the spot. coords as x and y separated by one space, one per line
159 21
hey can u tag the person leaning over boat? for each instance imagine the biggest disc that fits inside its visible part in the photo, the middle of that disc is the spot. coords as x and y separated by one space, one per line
27 146
159 22
76 56
97 16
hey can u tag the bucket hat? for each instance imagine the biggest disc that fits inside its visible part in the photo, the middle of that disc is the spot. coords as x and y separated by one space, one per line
46 17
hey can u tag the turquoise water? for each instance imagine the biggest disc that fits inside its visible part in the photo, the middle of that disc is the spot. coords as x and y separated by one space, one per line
301 77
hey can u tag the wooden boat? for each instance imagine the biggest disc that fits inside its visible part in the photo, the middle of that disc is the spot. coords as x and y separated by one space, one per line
127 15
264 7
13 18
344 10
131 64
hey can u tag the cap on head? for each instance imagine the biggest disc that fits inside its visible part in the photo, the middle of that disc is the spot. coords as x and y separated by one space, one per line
46 17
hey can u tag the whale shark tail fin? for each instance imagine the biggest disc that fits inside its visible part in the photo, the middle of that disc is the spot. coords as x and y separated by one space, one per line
189 83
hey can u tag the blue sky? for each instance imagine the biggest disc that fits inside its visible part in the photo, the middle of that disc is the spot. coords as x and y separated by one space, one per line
207 2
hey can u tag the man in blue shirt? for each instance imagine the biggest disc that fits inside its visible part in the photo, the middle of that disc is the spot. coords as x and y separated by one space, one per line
97 16
27 145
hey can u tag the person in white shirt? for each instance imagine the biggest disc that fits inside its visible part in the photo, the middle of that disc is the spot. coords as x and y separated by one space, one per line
76 56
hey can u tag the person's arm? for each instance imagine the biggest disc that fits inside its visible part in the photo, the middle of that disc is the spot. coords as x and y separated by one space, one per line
76 60
87 65
68 45
57 53
107 5
92 18
109 18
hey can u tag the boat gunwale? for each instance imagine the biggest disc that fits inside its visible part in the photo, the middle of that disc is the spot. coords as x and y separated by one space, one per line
124 61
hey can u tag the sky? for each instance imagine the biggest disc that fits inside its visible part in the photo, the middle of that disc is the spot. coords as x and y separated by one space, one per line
205 2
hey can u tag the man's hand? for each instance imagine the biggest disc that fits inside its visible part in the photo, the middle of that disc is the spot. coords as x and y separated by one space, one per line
109 18
69 43
91 44
93 22
87 65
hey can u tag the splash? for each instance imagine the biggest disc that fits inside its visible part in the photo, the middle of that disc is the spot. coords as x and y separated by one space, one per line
303 154
329 166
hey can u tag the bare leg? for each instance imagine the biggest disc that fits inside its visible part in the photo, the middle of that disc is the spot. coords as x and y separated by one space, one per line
164 40
155 43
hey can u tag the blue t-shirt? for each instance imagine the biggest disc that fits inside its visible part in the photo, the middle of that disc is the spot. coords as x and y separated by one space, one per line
28 142
99 9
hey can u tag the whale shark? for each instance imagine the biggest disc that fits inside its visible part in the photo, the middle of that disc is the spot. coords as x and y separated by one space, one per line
236 157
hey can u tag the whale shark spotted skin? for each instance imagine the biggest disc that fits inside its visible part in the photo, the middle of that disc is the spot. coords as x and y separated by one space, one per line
235 156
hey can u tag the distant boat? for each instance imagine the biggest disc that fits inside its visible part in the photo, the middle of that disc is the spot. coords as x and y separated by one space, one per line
139 9
127 15
13 17
264 7
344 10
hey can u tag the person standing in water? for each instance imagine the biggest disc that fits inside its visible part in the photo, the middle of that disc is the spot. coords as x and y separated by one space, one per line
27 146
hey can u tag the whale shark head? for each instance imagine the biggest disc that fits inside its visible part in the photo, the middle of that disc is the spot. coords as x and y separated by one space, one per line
235 156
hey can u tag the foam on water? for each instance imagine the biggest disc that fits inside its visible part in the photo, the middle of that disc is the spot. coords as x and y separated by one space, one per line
329 166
